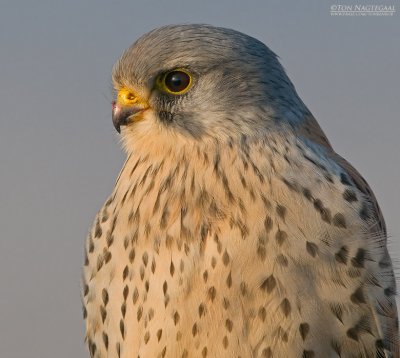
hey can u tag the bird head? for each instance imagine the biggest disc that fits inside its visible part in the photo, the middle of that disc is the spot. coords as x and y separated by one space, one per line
199 81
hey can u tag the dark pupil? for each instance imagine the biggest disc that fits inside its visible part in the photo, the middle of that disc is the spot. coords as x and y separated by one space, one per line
177 81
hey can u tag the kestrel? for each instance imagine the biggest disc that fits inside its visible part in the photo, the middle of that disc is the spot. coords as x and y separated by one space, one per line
234 229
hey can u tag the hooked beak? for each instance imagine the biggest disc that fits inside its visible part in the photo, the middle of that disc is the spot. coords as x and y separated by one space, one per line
127 109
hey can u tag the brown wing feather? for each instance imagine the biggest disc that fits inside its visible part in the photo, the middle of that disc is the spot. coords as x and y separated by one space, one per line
385 308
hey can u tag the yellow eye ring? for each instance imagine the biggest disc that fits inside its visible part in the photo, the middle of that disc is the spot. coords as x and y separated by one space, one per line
175 82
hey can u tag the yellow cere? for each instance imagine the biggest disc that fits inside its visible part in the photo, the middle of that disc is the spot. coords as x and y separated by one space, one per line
126 97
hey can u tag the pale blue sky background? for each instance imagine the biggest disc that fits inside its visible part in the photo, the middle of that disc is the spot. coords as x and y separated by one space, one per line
60 155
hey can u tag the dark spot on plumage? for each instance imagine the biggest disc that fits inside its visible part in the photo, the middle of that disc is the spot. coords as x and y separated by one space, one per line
227 189
352 333
311 248
139 313
178 336
125 292
349 196
212 292
205 276
124 197
103 313
123 309
98 231
92 347
194 330
357 296
339 220
118 348
337 310
268 284
266 353
107 256
159 335
268 224
304 328
229 325
134 217
147 229
261 251
243 288
145 258
216 212
204 352
365 212
110 239
353 272
262 313
318 204
125 273
359 259
132 255
280 237
244 231
105 340
84 312
285 307
104 296
390 291
225 342
105 216
202 310
108 202
141 272
257 173
282 260
85 290
342 255
225 258
86 258
308 354
307 194
164 218
217 160
150 186
176 318
324 212
345 180
266 202
147 285
380 348
225 303
122 328
281 211
91 245
284 336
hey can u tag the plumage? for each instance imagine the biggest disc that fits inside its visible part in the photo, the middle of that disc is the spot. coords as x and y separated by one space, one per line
234 229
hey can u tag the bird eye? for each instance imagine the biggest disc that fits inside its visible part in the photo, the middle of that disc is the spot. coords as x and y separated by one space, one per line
177 81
